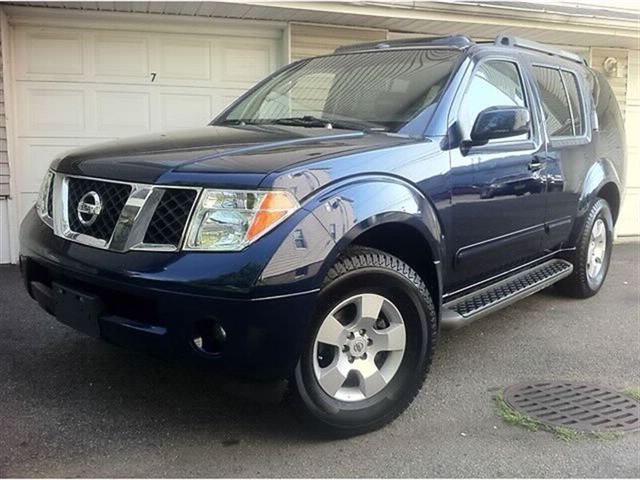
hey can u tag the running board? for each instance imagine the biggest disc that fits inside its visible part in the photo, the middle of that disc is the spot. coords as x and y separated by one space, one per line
466 309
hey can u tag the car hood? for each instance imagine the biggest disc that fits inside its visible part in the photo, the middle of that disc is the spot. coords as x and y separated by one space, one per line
215 155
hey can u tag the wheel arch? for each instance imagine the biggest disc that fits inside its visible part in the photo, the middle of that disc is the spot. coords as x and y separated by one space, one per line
601 181
610 192
390 215
411 249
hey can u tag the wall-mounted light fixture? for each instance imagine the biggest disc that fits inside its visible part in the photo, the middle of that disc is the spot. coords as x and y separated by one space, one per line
610 66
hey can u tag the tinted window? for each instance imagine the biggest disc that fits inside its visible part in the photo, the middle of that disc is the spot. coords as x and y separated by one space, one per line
554 102
494 84
381 89
573 89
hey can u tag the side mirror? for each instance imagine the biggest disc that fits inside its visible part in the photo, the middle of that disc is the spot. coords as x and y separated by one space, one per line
500 122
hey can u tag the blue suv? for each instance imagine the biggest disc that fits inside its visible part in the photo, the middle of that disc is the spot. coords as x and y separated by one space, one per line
330 222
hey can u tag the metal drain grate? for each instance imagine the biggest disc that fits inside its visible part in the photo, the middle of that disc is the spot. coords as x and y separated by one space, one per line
579 406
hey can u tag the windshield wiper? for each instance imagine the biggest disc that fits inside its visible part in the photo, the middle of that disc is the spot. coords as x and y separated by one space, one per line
235 121
310 121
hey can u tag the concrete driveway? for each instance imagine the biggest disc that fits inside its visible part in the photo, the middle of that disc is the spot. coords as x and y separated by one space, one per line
73 406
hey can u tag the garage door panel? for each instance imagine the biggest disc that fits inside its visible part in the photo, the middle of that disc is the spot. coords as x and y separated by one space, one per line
51 111
245 62
51 52
182 59
630 213
37 156
184 111
118 56
225 98
27 200
122 113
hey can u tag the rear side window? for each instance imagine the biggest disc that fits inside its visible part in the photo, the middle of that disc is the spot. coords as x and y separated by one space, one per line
559 92
573 89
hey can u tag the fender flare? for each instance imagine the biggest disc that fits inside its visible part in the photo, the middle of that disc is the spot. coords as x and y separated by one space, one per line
352 207
599 174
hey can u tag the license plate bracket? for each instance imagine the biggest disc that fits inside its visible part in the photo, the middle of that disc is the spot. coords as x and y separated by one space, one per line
79 310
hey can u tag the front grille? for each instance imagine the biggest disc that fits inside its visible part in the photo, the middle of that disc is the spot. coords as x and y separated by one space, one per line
113 197
120 216
170 218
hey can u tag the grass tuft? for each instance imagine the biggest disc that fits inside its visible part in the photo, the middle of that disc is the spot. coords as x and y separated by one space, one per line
564 433
633 392
513 417
607 436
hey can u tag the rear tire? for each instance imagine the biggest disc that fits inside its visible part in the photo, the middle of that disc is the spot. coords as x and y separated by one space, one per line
374 334
592 256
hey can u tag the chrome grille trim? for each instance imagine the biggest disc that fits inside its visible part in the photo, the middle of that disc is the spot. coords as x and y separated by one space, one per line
133 220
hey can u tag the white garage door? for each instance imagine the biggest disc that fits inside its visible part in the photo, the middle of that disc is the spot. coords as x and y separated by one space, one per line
76 86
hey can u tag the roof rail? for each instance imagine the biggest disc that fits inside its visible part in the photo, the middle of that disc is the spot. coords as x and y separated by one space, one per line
459 42
509 41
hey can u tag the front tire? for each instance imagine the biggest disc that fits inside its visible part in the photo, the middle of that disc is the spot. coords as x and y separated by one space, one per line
592 256
371 346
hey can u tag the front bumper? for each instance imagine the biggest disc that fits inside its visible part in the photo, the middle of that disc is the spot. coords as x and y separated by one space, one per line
160 302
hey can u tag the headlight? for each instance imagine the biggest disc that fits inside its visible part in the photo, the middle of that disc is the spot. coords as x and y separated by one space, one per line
44 198
229 220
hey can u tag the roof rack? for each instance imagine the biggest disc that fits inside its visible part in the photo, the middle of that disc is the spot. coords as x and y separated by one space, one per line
509 41
459 42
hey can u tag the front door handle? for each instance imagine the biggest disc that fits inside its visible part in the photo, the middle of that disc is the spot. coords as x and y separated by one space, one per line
535 164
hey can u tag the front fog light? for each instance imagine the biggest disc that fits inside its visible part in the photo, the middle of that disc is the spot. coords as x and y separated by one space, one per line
231 220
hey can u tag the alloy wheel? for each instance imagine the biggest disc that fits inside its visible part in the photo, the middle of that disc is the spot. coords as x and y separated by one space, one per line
359 347
597 248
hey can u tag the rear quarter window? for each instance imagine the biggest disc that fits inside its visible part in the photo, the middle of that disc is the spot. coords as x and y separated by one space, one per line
575 101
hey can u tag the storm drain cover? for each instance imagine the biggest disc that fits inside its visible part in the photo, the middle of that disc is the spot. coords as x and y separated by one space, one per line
579 406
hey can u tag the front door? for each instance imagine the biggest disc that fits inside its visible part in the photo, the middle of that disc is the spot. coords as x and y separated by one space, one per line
498 201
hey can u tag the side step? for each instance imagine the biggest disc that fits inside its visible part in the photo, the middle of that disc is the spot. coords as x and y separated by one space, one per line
464 310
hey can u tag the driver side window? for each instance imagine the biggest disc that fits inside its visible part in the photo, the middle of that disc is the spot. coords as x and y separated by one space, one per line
495 83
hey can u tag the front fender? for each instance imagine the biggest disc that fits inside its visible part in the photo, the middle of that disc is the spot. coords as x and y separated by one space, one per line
346 210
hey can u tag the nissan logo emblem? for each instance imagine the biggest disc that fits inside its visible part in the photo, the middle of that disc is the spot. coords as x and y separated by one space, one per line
89 208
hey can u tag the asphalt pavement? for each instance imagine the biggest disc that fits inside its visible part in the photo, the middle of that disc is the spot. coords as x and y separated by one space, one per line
74 406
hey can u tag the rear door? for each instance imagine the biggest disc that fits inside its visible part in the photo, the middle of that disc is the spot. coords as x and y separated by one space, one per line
569 149
498 189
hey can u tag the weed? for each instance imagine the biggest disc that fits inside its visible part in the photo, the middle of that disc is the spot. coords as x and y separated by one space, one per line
633 392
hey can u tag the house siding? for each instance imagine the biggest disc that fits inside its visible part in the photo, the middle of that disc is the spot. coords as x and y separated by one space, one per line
310 40
4 157
5 233
629 221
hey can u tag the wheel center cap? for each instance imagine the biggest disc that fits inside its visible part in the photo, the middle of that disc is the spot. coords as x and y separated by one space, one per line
358 346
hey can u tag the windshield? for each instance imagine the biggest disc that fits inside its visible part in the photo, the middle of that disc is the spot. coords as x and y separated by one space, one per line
377 90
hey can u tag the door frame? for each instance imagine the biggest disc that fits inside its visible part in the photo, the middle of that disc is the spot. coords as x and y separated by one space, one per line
537 142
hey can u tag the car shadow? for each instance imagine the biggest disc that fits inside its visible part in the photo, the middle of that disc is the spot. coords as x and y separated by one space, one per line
89 382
